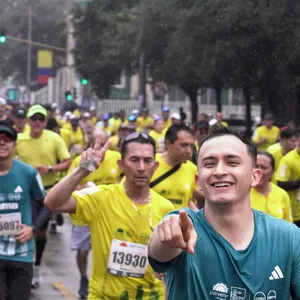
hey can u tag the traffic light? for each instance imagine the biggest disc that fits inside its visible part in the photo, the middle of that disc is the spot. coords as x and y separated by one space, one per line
2 36
84 81
68 95
13 94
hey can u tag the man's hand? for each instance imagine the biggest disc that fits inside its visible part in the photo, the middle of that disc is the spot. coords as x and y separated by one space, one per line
25 234
91 158
178 232
42 169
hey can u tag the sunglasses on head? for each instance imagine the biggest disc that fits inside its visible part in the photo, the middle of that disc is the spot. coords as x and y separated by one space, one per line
38 118
6 138
136 135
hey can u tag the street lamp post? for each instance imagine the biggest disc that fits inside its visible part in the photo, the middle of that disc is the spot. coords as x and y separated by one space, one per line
142 63
29 49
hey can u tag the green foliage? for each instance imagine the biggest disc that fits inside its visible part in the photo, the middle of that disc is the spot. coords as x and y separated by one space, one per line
205 43
48 27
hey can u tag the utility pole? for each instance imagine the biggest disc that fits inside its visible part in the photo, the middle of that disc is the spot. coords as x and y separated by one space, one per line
69 54
29 49
142 63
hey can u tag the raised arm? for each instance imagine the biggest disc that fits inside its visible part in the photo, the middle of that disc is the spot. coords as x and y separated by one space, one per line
59 198
172 236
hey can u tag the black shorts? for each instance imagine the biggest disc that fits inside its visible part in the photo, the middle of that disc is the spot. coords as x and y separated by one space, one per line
15 280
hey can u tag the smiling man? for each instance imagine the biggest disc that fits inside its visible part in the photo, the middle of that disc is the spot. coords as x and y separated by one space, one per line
227 250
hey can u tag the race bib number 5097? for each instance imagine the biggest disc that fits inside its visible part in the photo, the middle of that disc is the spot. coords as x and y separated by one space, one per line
127 259
9 223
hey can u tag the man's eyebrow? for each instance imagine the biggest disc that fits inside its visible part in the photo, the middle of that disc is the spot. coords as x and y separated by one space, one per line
229 156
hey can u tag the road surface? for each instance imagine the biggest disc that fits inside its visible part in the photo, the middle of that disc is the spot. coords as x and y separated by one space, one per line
59 271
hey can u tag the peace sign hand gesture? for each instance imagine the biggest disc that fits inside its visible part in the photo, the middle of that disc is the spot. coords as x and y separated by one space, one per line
91 158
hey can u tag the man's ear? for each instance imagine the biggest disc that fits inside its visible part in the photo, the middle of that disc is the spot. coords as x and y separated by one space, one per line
256 176
121 164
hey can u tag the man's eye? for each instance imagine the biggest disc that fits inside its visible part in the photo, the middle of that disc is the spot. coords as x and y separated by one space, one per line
233 163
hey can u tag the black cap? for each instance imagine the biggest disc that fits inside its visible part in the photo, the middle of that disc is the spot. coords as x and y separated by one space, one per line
19 112
8 130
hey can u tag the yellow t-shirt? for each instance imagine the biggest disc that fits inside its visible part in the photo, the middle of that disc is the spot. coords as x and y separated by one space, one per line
272 136
167 124
289 170
67 125
143 124
107 173
178 187
275 150
118 122
159 139
111 215
66 136
47 150
113 143
94 120
276 204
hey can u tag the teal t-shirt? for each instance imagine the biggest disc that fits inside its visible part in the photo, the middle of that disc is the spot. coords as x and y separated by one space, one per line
18 189
266 270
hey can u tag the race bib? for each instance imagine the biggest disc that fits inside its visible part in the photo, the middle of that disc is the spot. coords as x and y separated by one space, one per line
127 259
9 223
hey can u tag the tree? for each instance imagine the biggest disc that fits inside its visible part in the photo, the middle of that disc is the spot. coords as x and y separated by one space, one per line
106 41
46 29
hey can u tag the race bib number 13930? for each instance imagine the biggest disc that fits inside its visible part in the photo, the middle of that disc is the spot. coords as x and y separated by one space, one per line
9 223
127 259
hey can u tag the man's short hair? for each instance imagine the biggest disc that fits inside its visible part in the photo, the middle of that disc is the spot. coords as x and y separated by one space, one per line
287 133
220 130
172 132
137 137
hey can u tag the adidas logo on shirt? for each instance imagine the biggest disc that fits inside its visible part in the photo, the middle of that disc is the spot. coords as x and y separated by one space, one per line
276 274
18 189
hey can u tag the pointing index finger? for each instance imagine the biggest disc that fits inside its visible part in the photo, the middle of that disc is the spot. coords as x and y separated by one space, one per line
184 219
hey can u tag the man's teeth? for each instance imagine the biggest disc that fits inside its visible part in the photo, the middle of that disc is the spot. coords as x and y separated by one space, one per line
222 184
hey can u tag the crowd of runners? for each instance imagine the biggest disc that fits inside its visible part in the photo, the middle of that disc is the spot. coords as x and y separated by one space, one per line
118 175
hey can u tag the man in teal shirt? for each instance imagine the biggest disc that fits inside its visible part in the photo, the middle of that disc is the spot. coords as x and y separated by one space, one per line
227 251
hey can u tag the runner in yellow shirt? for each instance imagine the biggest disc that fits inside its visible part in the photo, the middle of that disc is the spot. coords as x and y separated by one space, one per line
20 120
121 218
179 187
285 145
166 118
158 134
266 135
107 173
116 140
288 178
78 137
266 196
144 122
